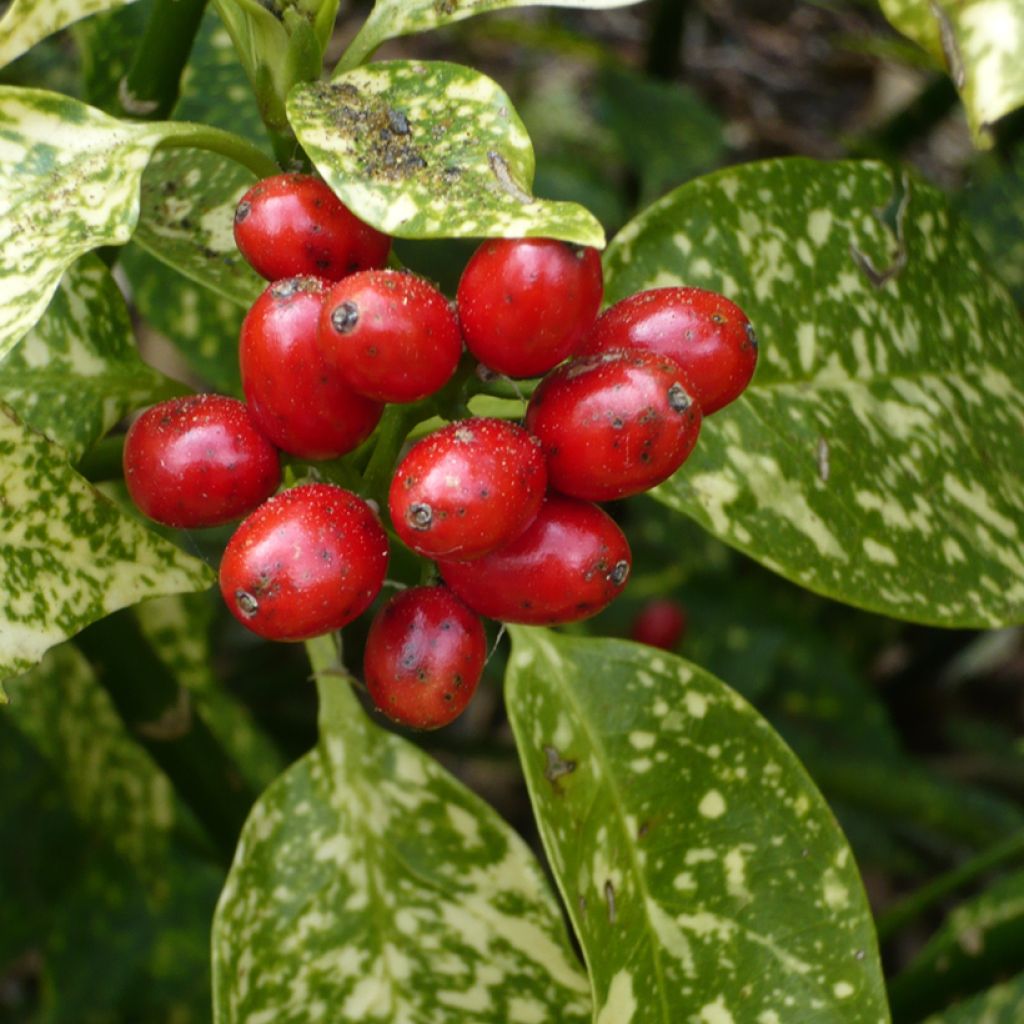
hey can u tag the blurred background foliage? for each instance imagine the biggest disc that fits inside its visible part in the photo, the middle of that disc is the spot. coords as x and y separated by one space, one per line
107 882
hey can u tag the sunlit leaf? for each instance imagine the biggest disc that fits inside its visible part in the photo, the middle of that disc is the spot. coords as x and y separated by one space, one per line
26 22
430 150
370 882
704 874
875 456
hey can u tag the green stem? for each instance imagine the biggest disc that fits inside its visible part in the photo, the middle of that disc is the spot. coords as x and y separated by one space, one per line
187 135
394 427
360 49
929 895
158 713
150 88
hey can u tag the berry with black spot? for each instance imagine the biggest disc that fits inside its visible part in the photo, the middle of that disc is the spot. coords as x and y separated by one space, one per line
198 461
424 657
570 563
467 489
306 562
710 337
526 304
293 225
390 335
615 424
299 402
661 622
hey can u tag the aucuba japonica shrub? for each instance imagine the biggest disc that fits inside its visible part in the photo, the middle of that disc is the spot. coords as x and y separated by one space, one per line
428 598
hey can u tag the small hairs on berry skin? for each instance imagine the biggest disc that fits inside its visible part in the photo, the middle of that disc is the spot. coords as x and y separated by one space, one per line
305 563
571 562
614 424
291 225
198 461
425 653
390 335
467 489
525 304
295 398
707 335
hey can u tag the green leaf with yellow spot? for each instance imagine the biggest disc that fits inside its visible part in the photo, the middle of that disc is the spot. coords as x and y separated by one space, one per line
78 372
704 874
392 18
369 885
430 150
980 43
68 555
978 944
1003 1004
26 22
874 457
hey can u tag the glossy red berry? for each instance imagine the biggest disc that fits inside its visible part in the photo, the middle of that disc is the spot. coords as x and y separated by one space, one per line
709 336
424 656
571 562
299 402
198 461
392 336
614 424
306 562
661 622
292 225
467 489
525 304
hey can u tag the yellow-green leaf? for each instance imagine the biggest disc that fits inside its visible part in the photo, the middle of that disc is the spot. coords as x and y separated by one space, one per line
26 22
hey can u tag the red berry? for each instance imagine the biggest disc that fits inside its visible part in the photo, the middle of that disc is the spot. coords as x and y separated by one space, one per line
198 461
391 335
709 336
614 424
467 489
659 623
424 657
298 401
525 304
570 563
306 562
293 224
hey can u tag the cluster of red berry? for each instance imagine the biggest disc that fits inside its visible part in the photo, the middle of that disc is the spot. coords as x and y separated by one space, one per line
505 511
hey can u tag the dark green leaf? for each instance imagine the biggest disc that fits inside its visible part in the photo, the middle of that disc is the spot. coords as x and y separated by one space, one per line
430 150
704 874
1003 1004
874 458
369 885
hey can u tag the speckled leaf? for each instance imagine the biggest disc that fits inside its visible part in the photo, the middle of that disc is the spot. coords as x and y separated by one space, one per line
26 22
980 43
430 150
69 556
201 323
392 18
187 217
370 886
875 457
704 874
178 627
69 182
979 943
78 372
1003 1004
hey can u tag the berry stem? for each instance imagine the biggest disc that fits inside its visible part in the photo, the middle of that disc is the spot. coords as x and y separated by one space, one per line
186 135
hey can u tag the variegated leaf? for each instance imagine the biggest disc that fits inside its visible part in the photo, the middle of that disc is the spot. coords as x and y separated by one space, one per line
1003 1004
875 457
178 627
979 942
370 886
980 43
201 323
69 556
704 874
26 22
392 18
78 372
430 150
